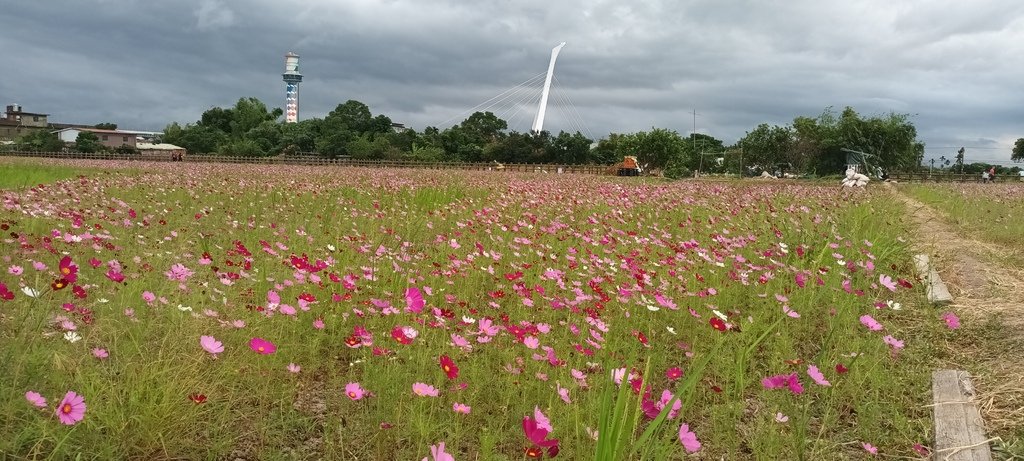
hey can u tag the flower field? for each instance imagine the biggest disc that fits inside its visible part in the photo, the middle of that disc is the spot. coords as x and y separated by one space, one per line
209 312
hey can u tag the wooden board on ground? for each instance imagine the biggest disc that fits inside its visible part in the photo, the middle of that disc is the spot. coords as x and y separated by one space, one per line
935 289
959 433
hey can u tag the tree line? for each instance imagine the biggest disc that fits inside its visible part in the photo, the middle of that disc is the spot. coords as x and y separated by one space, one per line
821 145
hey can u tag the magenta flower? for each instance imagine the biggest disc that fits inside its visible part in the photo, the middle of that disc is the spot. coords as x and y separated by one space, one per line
674 373
542 421
893 342
354 391
414 300
688 439
211 345
71 409
792 381
262 346
35 399
425 390
952 321
870 448
461 408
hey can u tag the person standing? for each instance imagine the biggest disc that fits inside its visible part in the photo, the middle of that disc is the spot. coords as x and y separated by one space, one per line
992 174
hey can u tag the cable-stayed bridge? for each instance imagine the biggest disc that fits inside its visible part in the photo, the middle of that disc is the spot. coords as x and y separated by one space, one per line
535 104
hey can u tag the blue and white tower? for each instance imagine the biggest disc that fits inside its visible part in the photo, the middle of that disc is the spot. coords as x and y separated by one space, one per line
292 78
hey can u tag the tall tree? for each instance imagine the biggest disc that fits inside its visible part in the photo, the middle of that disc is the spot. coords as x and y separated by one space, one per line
656 148
766 146
88 142
1018 151
40 141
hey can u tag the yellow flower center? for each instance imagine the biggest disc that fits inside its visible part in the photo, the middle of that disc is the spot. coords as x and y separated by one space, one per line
260 348
66 408
66 270
352 395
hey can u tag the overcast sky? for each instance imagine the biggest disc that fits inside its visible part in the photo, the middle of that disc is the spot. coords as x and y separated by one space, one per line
954 66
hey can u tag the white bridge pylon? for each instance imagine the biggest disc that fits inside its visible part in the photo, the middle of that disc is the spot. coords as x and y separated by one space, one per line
538 122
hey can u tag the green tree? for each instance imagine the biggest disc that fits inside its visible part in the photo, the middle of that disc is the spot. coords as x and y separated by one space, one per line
608 150
766 146
40 141
569 149
1018 151
241 148
196 139
302 135
352 116
655 149
106 126
88 142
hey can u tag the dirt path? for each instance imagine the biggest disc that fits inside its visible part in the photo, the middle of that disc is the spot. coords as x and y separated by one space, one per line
989 294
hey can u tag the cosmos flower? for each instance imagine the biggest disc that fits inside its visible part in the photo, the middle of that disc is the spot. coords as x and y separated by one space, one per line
448 366
952 321
688 439
71 409
262 346
211 345
354 391
35 399
425 390
461 408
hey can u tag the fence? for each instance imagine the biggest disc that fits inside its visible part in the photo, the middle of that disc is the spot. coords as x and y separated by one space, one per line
320 161
925 176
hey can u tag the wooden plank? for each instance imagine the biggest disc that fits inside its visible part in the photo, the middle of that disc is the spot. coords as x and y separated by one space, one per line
959 432
935 289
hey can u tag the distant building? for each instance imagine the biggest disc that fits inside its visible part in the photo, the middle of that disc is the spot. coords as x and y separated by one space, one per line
108 138
399 127
17 123
162 150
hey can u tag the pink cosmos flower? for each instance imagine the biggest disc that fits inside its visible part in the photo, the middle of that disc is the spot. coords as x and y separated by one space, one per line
542 420
262 346
952 321
354 391
148 297
870 322
893 342
688 439
563 393
461 408
211 345
437 453
425 390
100 353
39 265
817 376
71 409
318 324
294 368
15 270
887 282
870 448
178 272
781 418
35 399
531 342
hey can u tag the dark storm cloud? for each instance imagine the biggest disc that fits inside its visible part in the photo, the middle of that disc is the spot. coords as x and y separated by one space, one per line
953 66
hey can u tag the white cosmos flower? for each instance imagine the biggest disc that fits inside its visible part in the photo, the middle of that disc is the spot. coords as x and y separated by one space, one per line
671 330
72 336
330 247
32 293
184 308
894 305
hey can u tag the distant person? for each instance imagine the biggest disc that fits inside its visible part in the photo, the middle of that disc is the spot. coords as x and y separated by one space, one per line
992 174
1021 174
984 176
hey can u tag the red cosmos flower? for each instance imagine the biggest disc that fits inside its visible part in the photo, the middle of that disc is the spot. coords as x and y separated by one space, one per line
353 341
642 338
68 270
59 284
404 335
449 367
197 398
79 292
841 369
905 284
5 293
718 324
674 373
513 276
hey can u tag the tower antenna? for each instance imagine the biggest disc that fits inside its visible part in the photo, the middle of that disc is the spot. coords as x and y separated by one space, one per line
292 78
